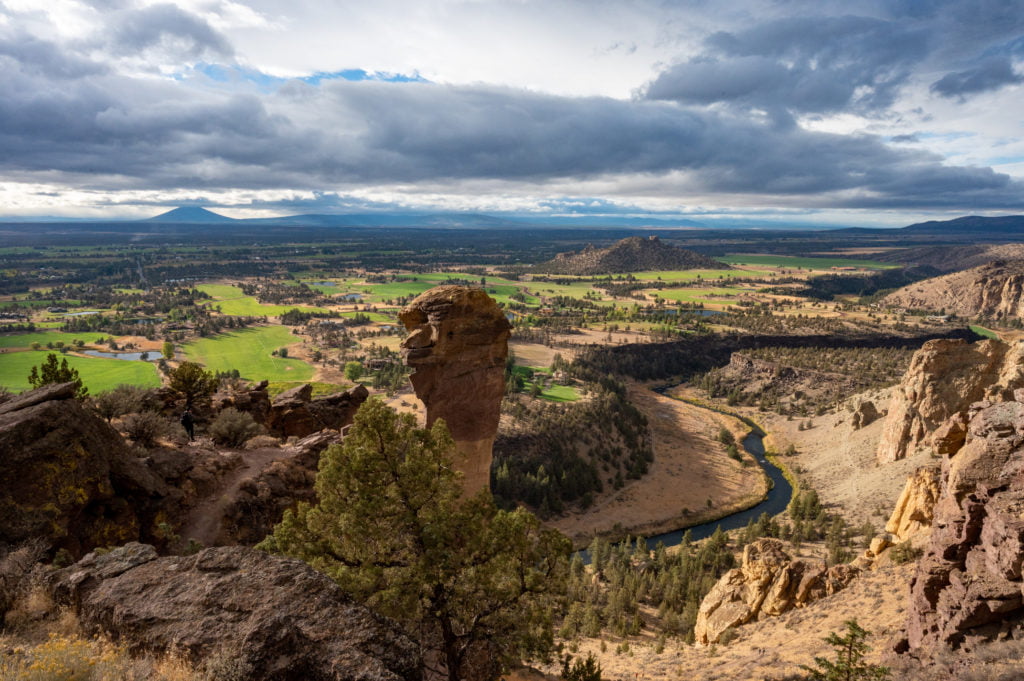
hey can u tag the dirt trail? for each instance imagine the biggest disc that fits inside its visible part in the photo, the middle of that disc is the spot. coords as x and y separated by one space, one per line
203 520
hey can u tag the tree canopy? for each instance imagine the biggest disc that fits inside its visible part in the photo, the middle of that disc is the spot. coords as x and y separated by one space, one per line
192 381
392 528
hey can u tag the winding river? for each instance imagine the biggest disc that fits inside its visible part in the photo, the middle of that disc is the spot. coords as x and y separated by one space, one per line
773 504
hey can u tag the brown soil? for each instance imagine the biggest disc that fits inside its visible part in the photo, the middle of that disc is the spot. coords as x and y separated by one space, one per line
690 468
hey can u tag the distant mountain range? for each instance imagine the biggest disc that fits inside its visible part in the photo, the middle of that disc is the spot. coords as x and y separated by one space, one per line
196 215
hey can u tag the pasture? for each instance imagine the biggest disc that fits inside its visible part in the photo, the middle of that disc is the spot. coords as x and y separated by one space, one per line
248 350
99 374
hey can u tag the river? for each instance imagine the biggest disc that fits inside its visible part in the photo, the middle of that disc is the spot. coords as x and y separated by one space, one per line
776 502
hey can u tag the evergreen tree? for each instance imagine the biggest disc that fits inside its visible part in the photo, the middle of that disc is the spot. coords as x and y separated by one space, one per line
50 372
392 528
192 381
849 664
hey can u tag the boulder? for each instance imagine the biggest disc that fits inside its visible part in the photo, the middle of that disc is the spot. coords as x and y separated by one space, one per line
767 583
277 616
944 378
864 414
457 346
69 478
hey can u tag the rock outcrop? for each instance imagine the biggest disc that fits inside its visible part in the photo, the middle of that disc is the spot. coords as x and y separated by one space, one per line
994 290
68 477
767 583
968 587
276 616
296 413
945 377
457 346
915 508
864 414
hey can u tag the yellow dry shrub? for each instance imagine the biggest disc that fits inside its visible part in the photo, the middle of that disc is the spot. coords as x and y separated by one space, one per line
72 658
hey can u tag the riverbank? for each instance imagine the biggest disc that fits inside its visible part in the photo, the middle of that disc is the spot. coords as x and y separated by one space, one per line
691 481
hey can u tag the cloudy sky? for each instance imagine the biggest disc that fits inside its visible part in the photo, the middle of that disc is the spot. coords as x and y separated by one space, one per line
867 112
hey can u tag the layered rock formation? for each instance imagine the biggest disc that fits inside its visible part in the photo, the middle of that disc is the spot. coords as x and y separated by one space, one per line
767 583
968 587
457 346
944 378
995 290
276 616
68 477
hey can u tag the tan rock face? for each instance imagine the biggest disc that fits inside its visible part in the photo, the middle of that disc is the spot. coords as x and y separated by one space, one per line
916 505
767 583
865 414
968 587
457 346
945 377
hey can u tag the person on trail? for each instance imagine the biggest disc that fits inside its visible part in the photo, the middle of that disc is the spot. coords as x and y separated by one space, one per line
189 423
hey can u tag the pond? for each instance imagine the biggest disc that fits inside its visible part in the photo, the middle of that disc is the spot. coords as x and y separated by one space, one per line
136 356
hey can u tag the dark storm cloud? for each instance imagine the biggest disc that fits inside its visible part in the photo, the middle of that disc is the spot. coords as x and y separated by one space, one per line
108 131
826 64
136 30
807 64
992 74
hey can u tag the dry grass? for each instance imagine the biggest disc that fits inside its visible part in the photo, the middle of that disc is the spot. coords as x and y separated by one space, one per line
768 649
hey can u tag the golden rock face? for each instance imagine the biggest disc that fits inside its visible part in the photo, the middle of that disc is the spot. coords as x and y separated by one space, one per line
457 346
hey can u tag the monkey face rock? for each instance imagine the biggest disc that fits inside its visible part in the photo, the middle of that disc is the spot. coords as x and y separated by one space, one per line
457 346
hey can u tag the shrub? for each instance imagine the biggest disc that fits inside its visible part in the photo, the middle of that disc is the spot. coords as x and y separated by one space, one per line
581 670
15 567
232 428
904 552
145 428
124 399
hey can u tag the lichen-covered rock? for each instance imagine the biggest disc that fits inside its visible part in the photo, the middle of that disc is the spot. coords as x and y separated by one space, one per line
68 477
767 583
968 587
945 377
457 346
277 616
916 505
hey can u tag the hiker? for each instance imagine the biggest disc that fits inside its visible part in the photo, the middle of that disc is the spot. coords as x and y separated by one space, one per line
189 423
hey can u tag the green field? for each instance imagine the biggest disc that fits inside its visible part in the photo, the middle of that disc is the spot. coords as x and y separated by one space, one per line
232 301
982 331
25 340
693 275
248 350
722 295
99 374
792 262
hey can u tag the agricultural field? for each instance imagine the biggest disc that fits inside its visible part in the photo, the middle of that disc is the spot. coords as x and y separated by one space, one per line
249 351
25 340
232 301
807 263
98 374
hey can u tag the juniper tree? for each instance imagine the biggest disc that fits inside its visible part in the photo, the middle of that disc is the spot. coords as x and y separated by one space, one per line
392 527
